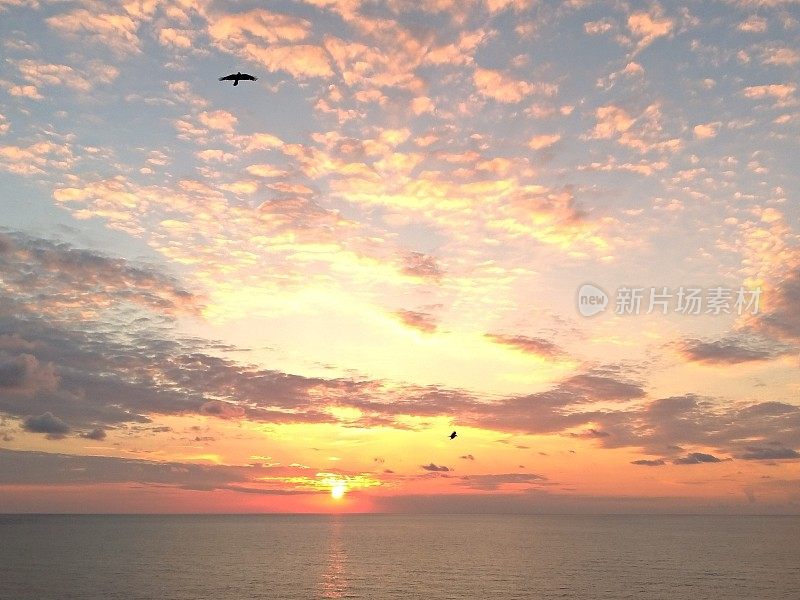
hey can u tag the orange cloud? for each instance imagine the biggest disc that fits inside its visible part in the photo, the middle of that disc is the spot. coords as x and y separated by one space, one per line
117 31
231 30
502 88
706 130
781 91
538 142
648 27
299 61
221 120
36 158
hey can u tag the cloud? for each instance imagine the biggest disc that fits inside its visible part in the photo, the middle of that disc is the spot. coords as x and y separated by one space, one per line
41 74
611 120
529 345
495 6
598 27
558 409
220 120
424 322
74 277
644 462
435 468
780 56
5 4
232 30
301 61
754 24
270 39
696 458
421 105
644 133
223 410
706 131
40 468
730 351
538 142
98 433
23 373
503 88
783 93
115 30
23 91
265 170
590 434
36 158
498 481
691 420
91 380
781 317
47 423
774 453
424 266
648 27
176 38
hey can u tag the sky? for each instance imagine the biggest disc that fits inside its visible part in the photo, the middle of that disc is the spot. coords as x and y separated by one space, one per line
568 231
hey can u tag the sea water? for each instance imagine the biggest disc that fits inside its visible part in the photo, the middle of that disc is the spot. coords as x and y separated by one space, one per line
399 556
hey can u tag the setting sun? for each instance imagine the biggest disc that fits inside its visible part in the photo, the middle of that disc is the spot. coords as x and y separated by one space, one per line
337 491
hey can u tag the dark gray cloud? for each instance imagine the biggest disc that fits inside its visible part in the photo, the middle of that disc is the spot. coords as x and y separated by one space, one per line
101 352
95 434
59 277
646 462
782 319
590 433
23 372
664 425
92 360
696 458
731 351
42 468
47 423
555 410
467 457
762 453
436 468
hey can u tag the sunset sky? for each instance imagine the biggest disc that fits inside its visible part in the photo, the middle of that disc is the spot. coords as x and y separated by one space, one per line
218 298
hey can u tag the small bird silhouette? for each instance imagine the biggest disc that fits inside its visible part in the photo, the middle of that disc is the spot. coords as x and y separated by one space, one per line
453 435
237 77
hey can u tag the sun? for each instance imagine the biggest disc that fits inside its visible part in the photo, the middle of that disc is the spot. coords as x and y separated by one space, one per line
337 491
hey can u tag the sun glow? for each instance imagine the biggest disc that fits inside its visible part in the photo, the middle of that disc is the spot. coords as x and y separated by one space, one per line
338 490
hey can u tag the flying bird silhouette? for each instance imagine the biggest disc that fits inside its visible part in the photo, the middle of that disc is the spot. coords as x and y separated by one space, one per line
237 77
453 435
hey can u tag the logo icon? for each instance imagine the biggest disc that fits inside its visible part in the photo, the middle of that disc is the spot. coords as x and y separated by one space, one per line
591 300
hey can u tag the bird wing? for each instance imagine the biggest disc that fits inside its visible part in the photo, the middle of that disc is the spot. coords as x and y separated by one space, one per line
249 77
228 77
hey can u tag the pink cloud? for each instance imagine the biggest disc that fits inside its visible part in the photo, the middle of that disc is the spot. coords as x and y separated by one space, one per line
503 88
299 61
117 31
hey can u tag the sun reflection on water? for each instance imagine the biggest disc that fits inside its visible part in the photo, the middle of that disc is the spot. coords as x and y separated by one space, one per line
334 582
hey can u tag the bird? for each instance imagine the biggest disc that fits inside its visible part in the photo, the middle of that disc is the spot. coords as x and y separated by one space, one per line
237 77
453 435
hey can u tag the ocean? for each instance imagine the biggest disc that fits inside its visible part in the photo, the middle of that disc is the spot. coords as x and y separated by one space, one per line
233 557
